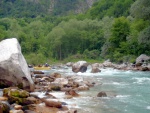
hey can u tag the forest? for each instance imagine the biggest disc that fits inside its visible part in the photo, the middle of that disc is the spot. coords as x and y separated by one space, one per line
118 30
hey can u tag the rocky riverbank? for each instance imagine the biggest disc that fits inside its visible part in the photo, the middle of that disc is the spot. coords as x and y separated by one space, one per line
15 100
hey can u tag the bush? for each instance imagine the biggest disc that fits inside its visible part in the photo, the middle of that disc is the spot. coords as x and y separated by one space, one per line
94 54
35 59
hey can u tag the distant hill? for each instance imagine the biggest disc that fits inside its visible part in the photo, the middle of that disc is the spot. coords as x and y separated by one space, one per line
111 8
33 8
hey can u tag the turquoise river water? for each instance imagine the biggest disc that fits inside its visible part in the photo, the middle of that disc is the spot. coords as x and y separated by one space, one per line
128 92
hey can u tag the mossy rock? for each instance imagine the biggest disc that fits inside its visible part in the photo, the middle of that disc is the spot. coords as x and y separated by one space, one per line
16 95
15 92
21 101
17 100
24 94
5 91
4 108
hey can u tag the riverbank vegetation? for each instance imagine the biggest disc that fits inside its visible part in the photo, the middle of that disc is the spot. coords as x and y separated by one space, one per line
116 30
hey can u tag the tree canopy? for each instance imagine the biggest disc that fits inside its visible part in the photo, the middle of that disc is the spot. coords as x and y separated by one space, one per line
111 29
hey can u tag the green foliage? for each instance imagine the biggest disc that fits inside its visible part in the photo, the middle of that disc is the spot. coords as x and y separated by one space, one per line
35 8
60 9
36 59
115 8
141 9
117 42
120 31
21 8
106 31
93 54
75 36
3 33
144 40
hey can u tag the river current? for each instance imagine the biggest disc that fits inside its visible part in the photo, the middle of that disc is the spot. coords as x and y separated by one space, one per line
127 92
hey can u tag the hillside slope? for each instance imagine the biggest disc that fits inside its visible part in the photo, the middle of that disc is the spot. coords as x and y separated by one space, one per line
33 8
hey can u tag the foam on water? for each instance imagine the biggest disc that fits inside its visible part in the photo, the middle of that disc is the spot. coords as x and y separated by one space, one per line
141 80
123 96
39 94
127 91
148 107
117 84
58 95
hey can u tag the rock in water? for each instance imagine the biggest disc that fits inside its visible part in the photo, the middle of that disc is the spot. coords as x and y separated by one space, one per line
80 66
95 68
13 67
142 58
102 94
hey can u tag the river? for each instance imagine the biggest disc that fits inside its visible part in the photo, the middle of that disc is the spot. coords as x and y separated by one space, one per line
128 92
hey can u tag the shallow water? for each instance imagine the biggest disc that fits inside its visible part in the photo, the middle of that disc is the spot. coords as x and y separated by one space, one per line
128 92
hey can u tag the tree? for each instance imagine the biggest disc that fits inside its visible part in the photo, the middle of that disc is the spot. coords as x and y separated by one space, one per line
120 31
54 42
144 40
3 33
112 8
141 9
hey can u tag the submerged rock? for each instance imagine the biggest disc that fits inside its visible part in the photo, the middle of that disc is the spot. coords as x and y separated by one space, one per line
102 94
13 67
72 93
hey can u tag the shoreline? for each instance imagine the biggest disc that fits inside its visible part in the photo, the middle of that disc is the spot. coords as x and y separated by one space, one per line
42 85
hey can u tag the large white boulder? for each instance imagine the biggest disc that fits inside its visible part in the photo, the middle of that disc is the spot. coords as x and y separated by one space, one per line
13 67
80 66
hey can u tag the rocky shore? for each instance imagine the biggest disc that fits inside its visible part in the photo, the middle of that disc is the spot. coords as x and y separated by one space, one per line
15 100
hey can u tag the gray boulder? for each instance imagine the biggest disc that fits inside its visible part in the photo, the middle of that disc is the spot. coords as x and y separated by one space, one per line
107 63
95 68
142 58
14 70
61 81
80 66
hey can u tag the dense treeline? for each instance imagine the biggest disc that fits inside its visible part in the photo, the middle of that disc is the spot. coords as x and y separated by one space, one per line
115 8
116 30
34 8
